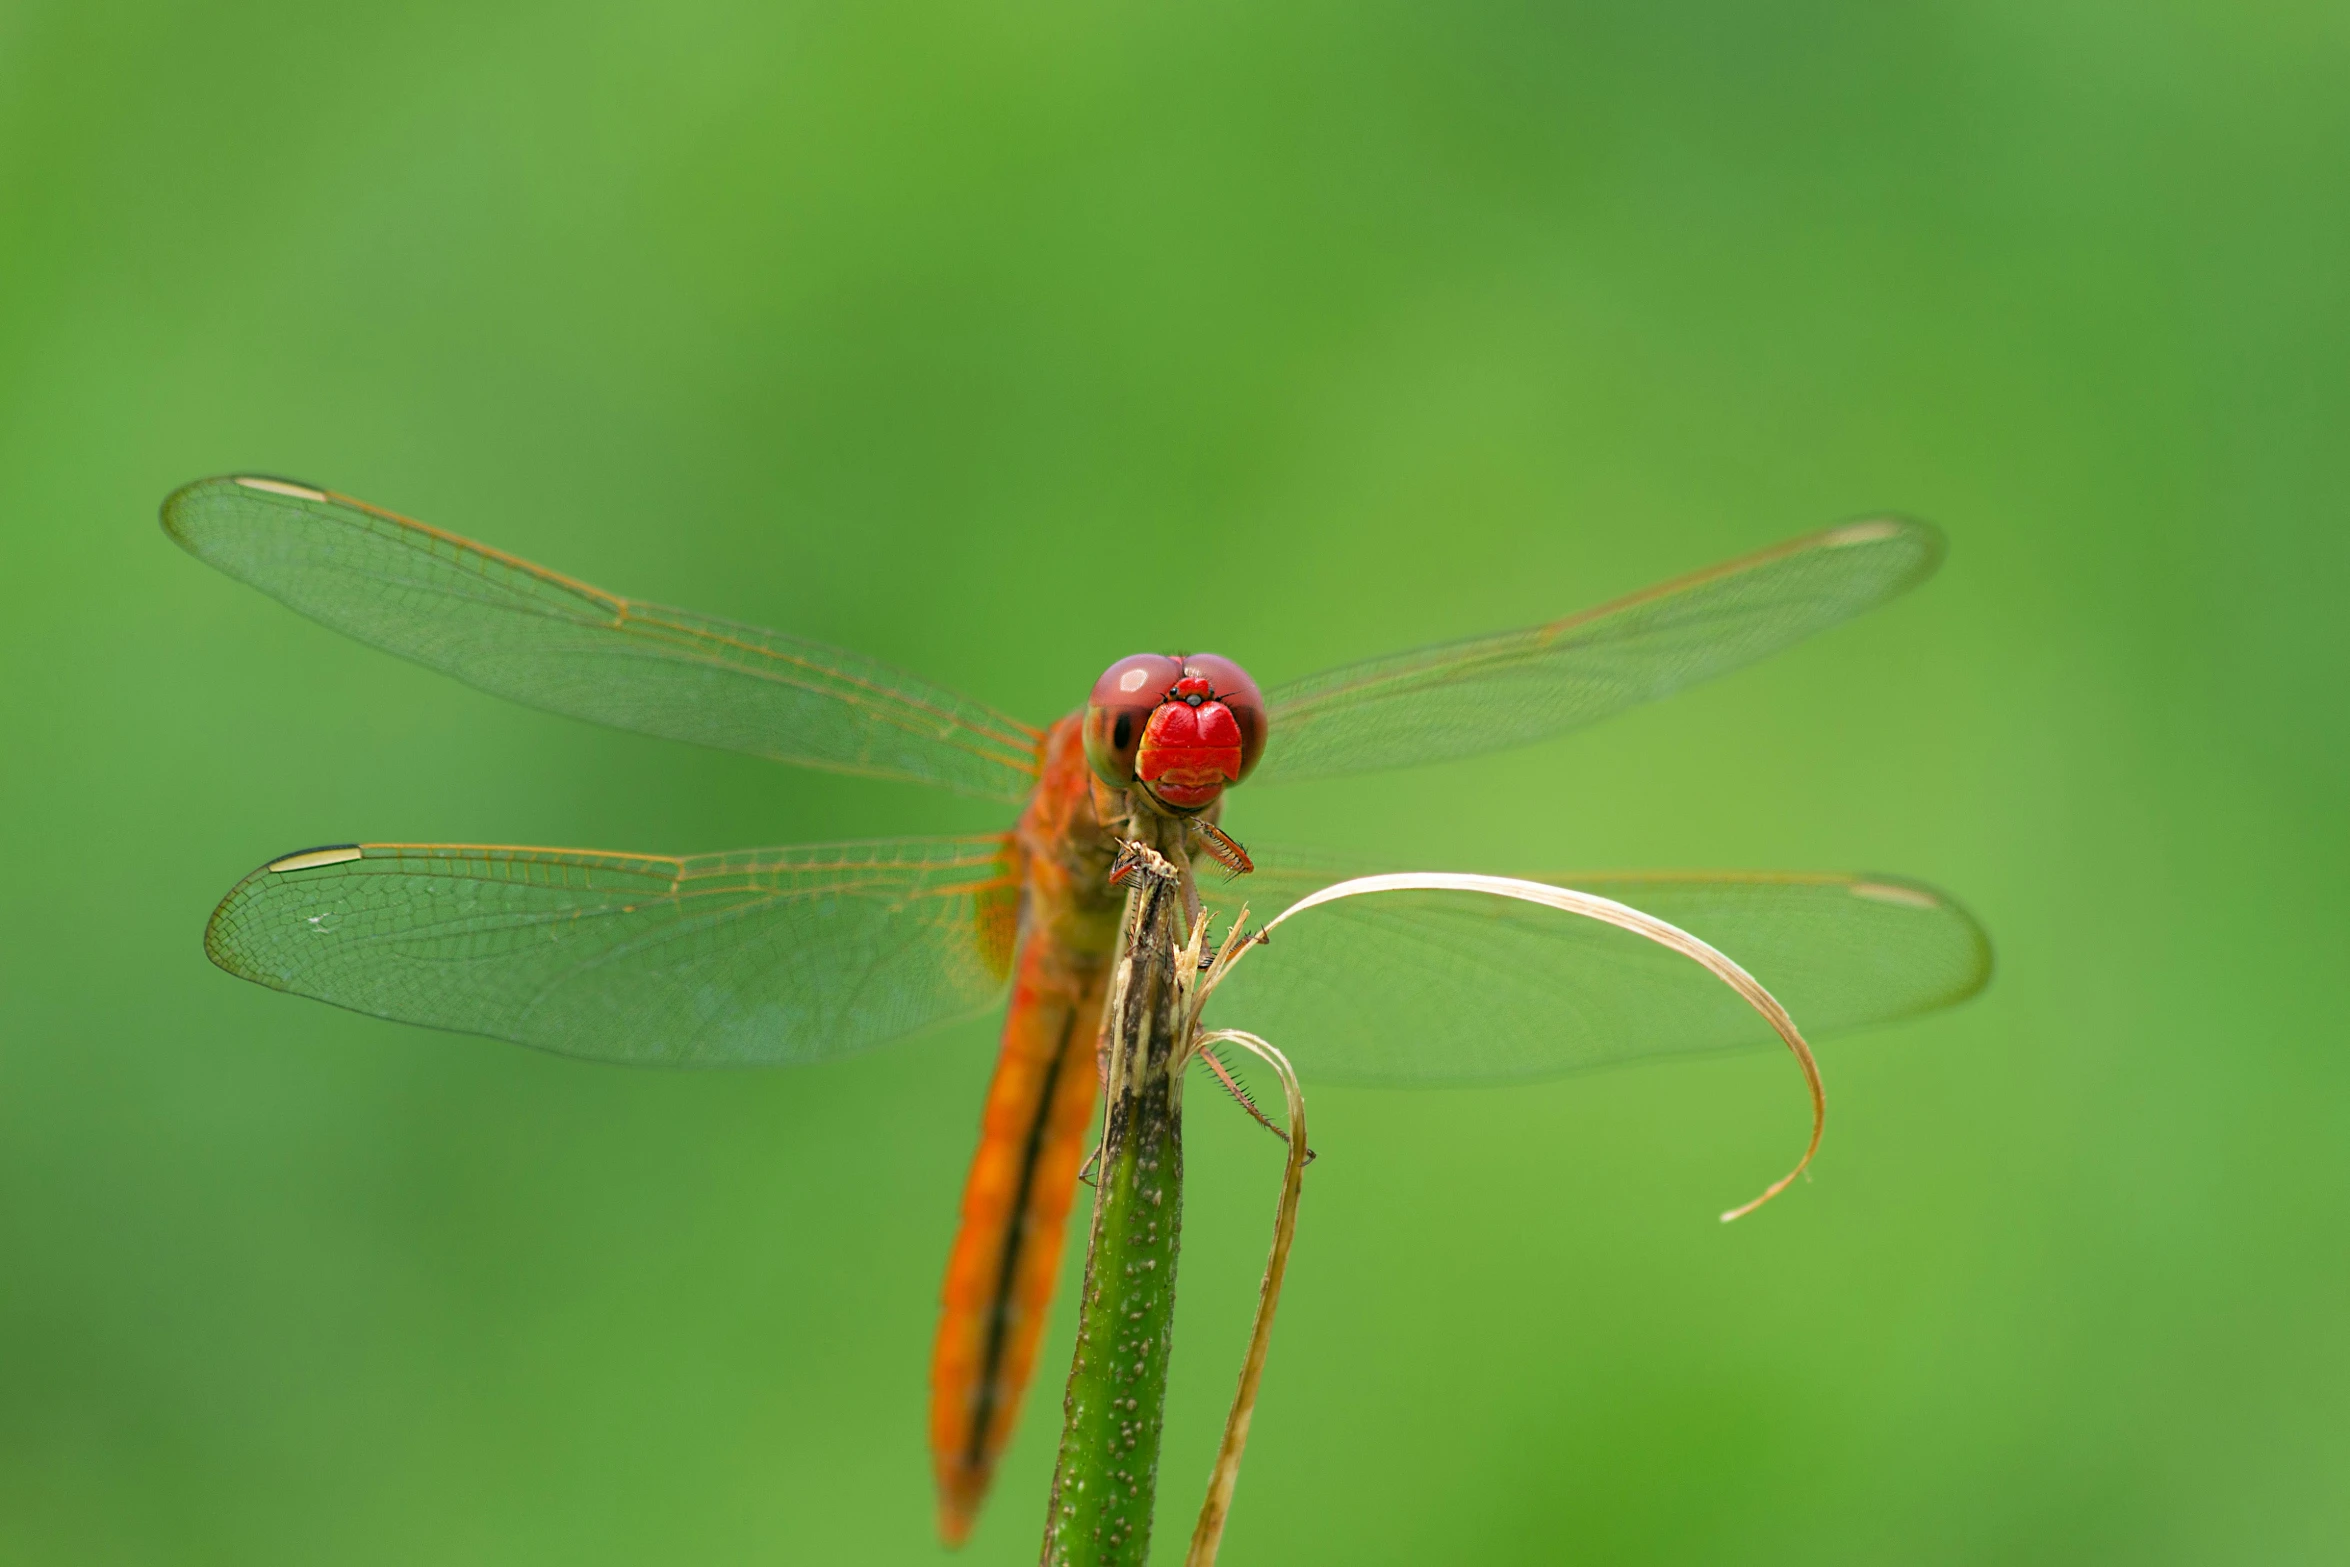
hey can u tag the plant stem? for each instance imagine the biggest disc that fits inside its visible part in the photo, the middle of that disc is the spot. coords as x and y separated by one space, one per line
1106 1481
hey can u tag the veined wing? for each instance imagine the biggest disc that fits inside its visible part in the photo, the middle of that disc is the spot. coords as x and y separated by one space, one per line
758 957
540 638
1423 989
1488 694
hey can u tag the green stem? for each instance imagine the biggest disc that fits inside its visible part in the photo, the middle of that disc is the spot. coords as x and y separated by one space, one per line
1107 1478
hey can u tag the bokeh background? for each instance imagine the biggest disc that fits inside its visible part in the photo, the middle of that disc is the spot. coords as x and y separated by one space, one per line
998 340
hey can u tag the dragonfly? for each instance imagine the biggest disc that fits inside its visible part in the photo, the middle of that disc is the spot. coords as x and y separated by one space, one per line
808 953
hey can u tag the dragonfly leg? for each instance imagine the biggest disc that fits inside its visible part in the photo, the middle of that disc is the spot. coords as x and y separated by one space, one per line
1222 847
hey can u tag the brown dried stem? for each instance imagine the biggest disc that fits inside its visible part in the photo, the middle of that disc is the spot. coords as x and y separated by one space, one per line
1625 917
1208 1533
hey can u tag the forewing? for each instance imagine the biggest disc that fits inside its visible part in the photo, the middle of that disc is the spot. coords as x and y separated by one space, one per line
541 638
758 957
1491 693
1442 988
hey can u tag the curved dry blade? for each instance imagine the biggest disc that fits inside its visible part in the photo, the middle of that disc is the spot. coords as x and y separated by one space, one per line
540 638
763 956
1489 694
1429 989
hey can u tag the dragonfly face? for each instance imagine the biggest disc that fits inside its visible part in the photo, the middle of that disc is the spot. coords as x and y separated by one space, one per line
1183 729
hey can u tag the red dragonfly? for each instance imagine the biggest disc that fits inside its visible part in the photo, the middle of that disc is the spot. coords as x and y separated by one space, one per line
801 954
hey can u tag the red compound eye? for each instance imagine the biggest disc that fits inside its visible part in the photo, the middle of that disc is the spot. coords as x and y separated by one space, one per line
1120 709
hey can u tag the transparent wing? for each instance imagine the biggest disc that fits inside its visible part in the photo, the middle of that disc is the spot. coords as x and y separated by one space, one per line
756 957
1425 989
1464 698
543 639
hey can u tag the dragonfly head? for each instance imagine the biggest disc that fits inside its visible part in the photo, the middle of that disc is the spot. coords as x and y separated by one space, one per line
1183 729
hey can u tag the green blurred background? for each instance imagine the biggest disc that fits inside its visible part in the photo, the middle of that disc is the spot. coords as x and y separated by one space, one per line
1001 339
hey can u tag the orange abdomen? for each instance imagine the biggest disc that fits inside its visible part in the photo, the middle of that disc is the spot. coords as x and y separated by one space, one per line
1007 1255
1032 1141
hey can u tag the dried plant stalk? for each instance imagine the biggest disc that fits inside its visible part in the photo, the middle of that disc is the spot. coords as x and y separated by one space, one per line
1208 1533
1623 916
